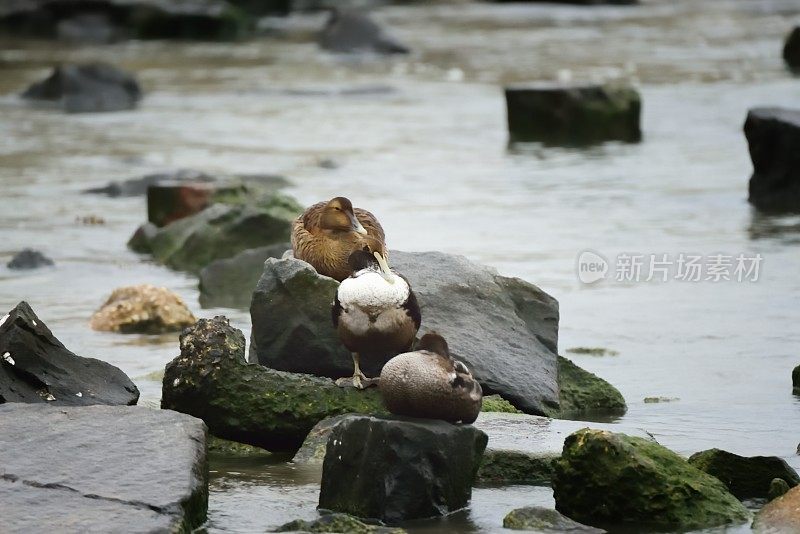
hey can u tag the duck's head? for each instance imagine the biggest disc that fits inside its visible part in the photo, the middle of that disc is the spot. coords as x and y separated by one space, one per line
372 260
433 342
338 215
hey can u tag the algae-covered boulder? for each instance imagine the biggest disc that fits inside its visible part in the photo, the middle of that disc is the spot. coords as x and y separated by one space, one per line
250 403
220 231
605 478
745 477
573 114
781 516
337 523
583 393
777 488
500 466
543 519
142 309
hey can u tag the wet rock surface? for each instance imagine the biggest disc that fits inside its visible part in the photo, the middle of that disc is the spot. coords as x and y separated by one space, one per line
29 259
504 329
230 282
86 88
559 114
538 519
516 467
745 477
781 516
397 469
101 469
791 49
142 309
773 136
35 367
605 478
584 394
337 523
250 403
138 186
352 31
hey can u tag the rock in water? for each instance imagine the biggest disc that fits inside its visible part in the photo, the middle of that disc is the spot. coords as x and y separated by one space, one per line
170 201
337 523
796 387
745 477
101 469
87 88
250 403
397 469
539 518
583 393
143 309
139 186
781 516
573 114
36 367
504 329
777 488
773 135
604 478
229 283
791 50
349 31
29 259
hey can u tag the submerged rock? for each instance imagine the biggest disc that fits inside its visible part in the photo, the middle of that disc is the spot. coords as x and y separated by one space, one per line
134 19
250 403
781 516
604 478
500 466
219 231
337 523
397 469
35 367
796 386
539 518
101 469
745 477
504 329
583 393
349 31
29 259
142 309
773 135
573 114
230 282
791 50
86 88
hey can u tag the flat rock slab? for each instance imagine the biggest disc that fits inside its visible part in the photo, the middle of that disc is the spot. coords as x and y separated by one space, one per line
101 469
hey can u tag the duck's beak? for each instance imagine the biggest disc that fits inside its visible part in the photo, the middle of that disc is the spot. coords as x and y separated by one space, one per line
357 227
385 271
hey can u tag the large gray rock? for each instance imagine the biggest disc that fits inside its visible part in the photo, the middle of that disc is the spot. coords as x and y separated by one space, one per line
230 282
773 135
396 469
101 469
504 329
86 88
348 31
35 367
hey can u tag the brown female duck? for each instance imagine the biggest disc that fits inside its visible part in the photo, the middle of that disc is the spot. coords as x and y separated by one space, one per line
328 232
429 383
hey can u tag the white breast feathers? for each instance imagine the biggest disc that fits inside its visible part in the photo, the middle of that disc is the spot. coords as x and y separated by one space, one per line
371 291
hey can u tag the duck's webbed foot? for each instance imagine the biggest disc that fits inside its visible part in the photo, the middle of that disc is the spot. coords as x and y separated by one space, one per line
359 380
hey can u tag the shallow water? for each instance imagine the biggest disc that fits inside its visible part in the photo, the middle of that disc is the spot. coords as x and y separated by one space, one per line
421 141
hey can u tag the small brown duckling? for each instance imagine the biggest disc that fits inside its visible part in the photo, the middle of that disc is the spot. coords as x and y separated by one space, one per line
375 313
328 232
429 383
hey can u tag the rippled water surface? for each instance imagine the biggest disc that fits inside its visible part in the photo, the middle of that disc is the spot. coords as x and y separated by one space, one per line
421 141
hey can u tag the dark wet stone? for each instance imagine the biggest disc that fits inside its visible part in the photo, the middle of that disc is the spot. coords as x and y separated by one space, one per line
350 31
87 88
170 201
605 478
229 283
250 403
36 368
118 19
504 329
29 259
397 469
101 469
138 186
745 477
773 135
337 523
573 114
791 50
543 519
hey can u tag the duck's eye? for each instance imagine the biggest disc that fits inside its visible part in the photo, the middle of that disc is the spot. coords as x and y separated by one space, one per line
337 208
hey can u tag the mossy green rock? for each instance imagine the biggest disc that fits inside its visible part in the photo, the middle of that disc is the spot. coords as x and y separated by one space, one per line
745 477
223 447
605 478
544 519
250 403
583 393
500 466
342 523
220 231
496 403
777 488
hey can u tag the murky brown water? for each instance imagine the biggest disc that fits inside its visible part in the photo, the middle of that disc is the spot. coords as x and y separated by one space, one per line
421 141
